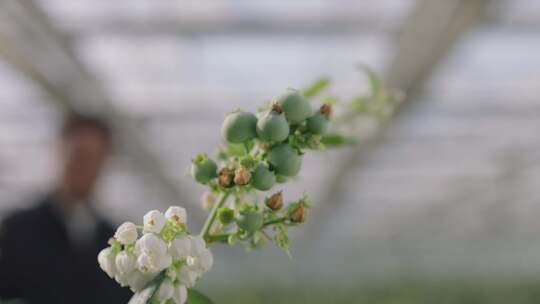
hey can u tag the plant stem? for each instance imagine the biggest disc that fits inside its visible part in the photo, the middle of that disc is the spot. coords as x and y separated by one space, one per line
218 237
276 221
212 216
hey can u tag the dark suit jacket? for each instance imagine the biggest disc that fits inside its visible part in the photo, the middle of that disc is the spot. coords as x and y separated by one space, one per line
40 265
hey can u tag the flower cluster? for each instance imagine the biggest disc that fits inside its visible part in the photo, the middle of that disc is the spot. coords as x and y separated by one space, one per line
165 256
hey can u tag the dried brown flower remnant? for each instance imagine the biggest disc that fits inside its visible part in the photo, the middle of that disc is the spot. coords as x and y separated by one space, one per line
225 178
275 202
299 214
276 107
326 109
242 176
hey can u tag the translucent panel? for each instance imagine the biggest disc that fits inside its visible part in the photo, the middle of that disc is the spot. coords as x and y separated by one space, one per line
149 75
178 66
459 164
27 130
194 16
493 61
515 13
451 188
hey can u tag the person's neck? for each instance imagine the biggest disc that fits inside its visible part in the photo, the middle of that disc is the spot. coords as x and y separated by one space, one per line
66 200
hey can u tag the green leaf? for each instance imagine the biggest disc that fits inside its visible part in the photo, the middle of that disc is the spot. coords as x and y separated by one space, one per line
374 81
281 239
359 104
337 140
195 297
315 88
306 200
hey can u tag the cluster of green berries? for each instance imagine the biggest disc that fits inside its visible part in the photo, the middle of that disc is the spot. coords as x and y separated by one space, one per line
272 143
291 114
267 148
274 125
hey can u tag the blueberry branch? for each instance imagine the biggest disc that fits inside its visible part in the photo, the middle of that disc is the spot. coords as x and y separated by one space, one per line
212 216
224 237
275 221
220 238
266 149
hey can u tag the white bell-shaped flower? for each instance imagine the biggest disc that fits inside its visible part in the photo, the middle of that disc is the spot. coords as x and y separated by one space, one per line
180 247
153 263
137 281
180 294
187 276
154 221
126 263
122 279
152 254
126 233
206 260
150 244
106 260
203 258
165 290
176 214
197 245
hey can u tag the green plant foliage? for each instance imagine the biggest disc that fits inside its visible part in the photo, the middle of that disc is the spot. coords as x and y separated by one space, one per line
316 87
196 297
337 140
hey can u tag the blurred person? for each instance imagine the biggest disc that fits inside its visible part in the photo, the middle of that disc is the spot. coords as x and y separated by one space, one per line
48 252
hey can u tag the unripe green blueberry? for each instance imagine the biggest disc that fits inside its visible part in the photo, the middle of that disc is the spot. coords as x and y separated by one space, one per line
272 127
296 107
262 178
239 127
225 215
317 124
203 169
250 221
285 159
